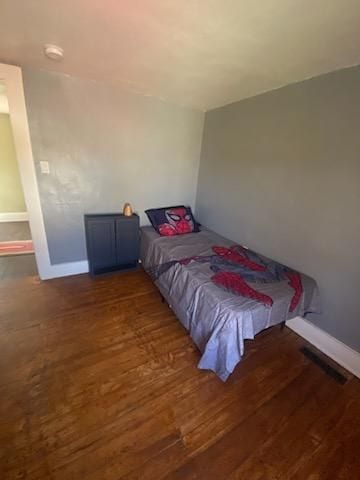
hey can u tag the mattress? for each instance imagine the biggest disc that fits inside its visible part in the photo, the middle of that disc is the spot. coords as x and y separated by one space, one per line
223 293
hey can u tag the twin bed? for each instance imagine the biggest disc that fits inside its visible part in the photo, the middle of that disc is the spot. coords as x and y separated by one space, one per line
223 293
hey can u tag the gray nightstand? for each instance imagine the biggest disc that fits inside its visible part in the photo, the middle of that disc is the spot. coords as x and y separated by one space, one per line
112 242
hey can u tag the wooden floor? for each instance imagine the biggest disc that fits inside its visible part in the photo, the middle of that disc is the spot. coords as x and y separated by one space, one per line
98 380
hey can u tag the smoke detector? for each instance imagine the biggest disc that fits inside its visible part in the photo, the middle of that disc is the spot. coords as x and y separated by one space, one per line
53 52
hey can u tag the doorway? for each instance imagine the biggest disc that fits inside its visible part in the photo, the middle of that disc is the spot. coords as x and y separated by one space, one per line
11 77
17 258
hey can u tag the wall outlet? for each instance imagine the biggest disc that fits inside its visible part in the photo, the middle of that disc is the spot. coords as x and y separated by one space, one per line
44 167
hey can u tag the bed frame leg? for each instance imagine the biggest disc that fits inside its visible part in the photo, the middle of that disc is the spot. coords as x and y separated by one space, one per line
282 325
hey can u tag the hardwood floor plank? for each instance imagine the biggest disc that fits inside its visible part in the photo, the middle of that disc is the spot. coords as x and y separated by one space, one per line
234 447
337 432
99 380
280 453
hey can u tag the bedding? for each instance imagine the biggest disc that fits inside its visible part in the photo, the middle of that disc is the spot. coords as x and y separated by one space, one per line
170 221
223 293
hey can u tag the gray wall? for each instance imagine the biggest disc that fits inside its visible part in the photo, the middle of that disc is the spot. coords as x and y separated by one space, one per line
280 173
106 147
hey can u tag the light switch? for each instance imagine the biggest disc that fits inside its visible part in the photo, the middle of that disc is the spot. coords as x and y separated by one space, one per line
44 167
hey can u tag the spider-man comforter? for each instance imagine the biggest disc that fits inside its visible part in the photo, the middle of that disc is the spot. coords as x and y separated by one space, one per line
224 293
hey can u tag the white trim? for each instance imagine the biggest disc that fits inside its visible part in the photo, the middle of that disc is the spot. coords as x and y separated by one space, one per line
4 104
66 269
333 348
12 78
14 217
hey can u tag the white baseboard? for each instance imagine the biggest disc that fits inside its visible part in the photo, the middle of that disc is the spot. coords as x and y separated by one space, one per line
333 348
14 217
65 269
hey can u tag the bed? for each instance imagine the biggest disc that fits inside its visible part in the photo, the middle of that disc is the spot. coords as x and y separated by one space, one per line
223 293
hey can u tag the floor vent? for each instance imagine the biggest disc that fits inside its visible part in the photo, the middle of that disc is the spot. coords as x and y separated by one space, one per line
328 369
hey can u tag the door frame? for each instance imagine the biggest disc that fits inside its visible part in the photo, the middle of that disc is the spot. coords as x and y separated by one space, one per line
12 77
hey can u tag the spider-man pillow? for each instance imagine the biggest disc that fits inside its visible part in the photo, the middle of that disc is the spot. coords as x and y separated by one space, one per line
171 221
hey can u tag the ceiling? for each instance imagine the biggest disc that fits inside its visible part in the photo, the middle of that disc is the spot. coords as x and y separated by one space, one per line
198 53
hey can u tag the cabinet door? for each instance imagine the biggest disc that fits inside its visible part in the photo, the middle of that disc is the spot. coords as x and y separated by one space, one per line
127 240
101 242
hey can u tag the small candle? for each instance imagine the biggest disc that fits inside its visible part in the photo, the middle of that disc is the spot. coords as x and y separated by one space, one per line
127 211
